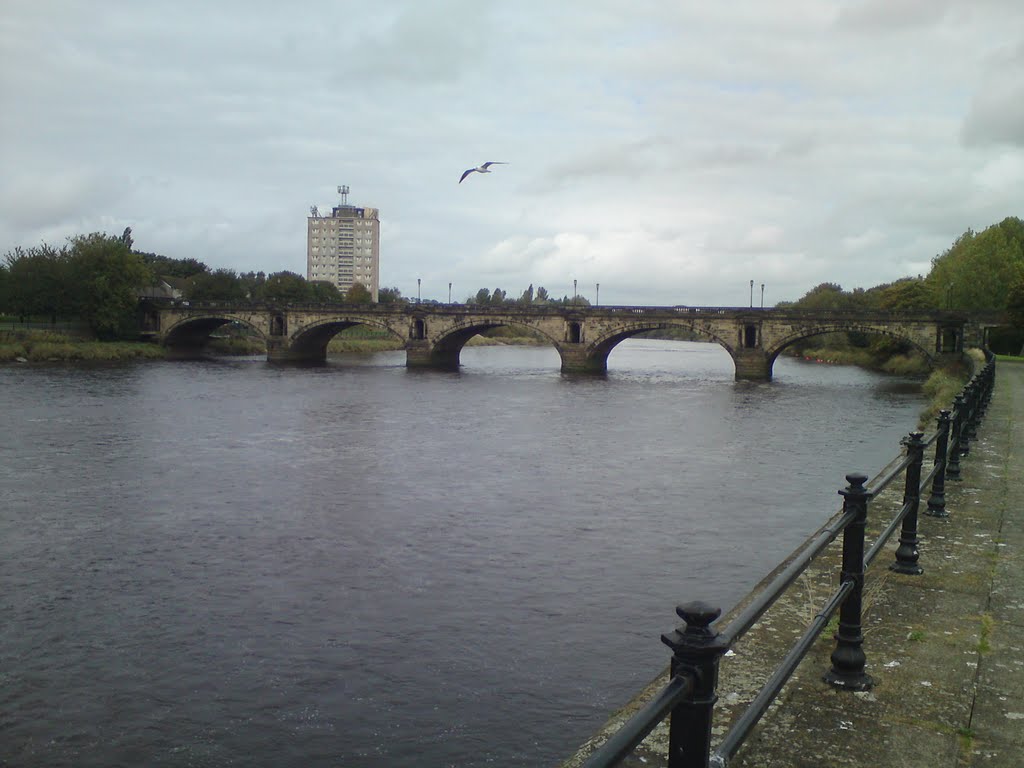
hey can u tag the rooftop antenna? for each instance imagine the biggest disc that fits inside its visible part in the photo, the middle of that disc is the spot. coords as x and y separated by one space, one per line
343 191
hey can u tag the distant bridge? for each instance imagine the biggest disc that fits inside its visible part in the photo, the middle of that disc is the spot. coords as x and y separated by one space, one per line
434 334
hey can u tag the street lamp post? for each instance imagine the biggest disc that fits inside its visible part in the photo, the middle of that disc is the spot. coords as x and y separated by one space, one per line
417 290
597 294
762 295
751 294
574 292
449 293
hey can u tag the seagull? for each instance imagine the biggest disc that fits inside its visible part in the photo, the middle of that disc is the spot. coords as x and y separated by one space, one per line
485 168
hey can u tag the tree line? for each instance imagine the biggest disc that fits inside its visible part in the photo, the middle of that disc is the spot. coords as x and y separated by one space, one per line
499 298
979 271
98 279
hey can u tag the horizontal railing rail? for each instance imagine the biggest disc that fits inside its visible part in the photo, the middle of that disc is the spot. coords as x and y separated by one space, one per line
697 648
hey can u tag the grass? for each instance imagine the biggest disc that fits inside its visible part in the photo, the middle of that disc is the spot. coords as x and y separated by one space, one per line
41 346
987 624
902 365
966 735
364 346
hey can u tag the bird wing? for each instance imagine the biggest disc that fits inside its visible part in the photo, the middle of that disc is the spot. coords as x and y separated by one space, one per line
492 162
466 173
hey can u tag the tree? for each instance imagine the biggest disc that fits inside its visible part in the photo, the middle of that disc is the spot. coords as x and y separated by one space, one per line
254 284
390 296
5 287
358 294
978 269
107 278
165 266
40 282
324 292
823 296
482 298
286 287
911 293
527 297
219 285
1015 306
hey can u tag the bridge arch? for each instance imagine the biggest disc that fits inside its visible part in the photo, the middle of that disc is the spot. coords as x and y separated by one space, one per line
777 346
446 349
309 343
595 355
189 336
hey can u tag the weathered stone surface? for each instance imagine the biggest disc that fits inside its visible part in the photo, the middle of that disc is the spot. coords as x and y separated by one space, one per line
434 334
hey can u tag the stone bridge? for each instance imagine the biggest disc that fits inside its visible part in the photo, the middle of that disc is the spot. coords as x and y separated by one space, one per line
434 334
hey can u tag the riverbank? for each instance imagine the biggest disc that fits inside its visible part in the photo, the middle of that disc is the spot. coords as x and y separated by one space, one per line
943 647
902 365
39 345
33 346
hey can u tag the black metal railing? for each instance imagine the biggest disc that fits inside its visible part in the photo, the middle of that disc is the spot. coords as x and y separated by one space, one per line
697 648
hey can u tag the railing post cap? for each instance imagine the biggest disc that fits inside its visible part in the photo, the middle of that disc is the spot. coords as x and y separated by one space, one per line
696 639
914 438
698 616
856 481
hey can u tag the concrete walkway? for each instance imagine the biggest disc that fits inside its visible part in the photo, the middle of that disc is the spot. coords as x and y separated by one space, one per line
945 649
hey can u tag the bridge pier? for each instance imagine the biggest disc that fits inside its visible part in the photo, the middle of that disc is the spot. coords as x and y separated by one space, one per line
577 359
420 354
280 350
752 365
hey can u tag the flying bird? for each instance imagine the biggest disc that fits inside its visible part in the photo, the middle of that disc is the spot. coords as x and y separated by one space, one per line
485 168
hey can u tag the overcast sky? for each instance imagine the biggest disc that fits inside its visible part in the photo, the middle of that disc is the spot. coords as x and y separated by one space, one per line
670 151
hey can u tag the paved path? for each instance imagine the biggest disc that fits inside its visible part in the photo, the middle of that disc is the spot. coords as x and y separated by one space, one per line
945 649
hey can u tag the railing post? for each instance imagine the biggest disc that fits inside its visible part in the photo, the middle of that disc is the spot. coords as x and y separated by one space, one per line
906 553
848 658
696 650
971 422
990 381
937 500
953 472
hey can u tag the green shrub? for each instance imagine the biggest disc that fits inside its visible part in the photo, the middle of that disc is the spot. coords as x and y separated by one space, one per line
906 365
940 388
53 350
9 352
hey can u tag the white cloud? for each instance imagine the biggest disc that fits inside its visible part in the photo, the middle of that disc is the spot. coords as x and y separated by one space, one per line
670 152
871 238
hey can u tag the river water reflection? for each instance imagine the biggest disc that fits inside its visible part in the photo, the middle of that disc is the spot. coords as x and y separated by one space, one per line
231 563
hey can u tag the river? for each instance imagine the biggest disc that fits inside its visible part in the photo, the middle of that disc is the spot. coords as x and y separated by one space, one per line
226 562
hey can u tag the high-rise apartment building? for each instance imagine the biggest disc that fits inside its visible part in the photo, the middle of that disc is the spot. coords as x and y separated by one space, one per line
344 248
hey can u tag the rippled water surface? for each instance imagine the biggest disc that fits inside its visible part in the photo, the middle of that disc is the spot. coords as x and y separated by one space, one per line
232 563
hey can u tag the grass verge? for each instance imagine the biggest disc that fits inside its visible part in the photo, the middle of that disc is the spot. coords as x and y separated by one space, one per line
41 346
